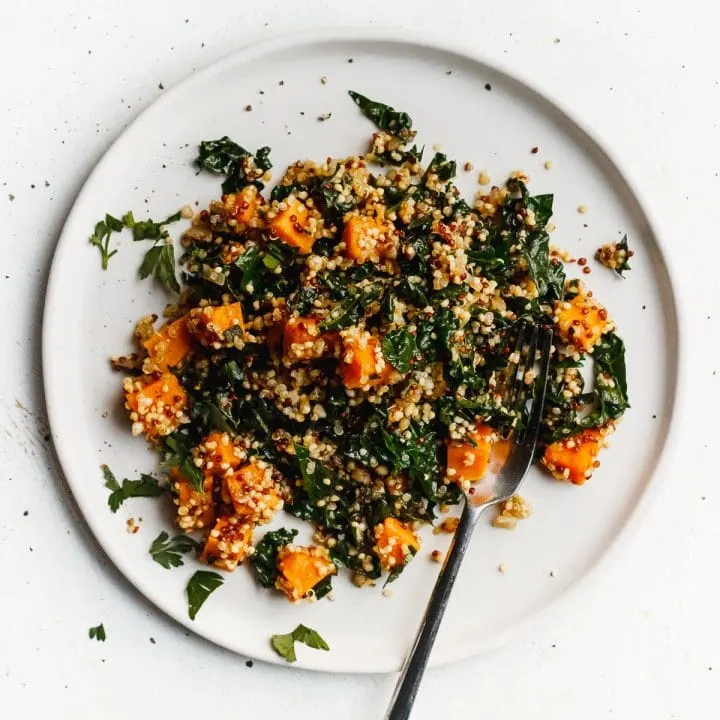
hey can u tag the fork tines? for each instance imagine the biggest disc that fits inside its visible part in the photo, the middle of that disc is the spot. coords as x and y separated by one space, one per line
525 384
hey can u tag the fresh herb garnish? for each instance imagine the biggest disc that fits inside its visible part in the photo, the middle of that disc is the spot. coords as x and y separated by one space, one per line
284 645
168 552
97 633
178 455
199 588
146 486
264 559
101 237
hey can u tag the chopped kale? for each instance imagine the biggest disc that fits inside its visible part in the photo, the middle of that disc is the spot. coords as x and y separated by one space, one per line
264 559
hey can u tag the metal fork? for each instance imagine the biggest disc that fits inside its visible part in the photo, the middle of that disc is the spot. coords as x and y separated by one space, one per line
504 484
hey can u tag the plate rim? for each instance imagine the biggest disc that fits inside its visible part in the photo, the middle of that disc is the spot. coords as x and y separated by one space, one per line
461 49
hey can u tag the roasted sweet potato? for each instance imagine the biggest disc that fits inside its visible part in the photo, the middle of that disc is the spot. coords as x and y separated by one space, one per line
252 492
215 326
575 458
581 321
291 226
228 543
394 542
156 402
242 207
468 462
302 340
195 510
368 238
362 363
169 346
219 454
301 569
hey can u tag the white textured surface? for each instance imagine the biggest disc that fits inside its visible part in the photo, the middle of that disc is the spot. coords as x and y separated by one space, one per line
638 642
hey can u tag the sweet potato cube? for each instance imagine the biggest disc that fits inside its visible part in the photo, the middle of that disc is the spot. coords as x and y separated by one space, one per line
252 492
394 543
242 207
362 363
368 238
301 569
575 458
290 225
581 321
210 324
302 339
169 346
219 453
228 543
195 510
156 402
468 462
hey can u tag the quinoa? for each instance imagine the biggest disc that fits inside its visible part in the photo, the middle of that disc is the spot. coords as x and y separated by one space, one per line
341 351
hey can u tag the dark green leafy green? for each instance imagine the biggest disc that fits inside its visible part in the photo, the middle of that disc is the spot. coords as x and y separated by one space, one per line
224 156
355 304
168 552
97 633
385 117
547 273
442 167
146 486
399 348
200 586
264 559
159 261
542 207
318 481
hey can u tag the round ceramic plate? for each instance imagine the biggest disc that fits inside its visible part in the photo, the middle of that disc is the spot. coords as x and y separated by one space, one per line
478 114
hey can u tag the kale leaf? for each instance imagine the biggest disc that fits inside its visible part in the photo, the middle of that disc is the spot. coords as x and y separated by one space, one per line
224 156
385 117
264 559
399 349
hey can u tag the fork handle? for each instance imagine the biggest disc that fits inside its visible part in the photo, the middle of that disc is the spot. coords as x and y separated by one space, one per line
412 671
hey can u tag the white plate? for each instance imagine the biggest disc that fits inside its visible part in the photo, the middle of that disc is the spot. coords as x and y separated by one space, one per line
90 315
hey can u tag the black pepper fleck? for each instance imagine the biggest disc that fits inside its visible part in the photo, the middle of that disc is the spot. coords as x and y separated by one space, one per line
11 197
248 108
350 60
488 86
26 513
152 640
161 86
249 663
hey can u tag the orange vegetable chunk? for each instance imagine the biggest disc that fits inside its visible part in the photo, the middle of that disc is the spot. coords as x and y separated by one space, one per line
581 321
209 324
243 206
362 363
291 225
301 569
170 345
367 238
156 403
195 510
575 458
394 542
252 492
468 463
228 543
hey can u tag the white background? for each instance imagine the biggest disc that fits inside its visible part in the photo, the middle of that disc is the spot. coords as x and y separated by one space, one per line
640 640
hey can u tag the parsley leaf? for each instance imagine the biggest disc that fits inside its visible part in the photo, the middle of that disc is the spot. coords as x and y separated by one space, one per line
101 237
199 588
97 633
149 229
160 262
399 348
264 559
178 455
168 552
385 117
146 486
284 645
